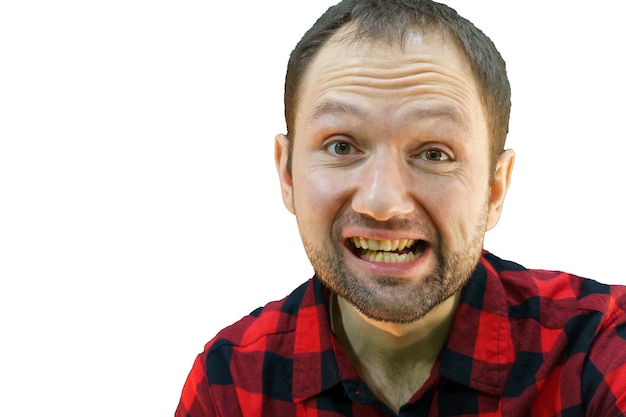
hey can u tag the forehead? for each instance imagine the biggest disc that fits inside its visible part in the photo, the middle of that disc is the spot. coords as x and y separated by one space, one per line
423 69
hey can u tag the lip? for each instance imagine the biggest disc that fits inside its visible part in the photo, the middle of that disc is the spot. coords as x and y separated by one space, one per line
390 269
382 234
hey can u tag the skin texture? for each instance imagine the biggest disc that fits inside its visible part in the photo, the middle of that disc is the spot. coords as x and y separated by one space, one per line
392 143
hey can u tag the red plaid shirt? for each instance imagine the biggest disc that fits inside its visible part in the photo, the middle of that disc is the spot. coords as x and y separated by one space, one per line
523 343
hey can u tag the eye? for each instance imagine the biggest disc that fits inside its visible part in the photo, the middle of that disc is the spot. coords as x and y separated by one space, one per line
434 155
341 148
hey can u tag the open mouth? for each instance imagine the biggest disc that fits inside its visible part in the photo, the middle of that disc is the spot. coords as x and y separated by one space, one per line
391 251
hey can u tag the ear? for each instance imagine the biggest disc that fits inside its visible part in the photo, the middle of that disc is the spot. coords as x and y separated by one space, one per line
499 185
281 156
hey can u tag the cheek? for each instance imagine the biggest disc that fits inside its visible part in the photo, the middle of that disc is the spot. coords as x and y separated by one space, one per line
318 197
457 209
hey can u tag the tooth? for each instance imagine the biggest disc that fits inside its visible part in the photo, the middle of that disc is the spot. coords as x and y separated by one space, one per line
356 242
363 243
394 244
372 244
384 245
402 244
390 257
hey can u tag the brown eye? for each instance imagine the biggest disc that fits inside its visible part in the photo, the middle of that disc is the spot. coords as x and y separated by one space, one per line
434 155
341 148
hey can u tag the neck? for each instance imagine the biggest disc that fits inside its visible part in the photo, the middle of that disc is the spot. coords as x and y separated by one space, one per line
394 359
424 337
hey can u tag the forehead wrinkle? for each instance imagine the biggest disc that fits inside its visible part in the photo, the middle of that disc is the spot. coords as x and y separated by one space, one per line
418 79
418 85
437 112
330 107
429 112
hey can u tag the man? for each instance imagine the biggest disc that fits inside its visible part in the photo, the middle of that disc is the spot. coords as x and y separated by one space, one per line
394 166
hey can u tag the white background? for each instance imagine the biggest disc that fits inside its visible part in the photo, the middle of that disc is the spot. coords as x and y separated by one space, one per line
139 207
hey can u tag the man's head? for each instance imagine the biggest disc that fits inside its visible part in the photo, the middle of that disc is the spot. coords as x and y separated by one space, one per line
389 161
392 21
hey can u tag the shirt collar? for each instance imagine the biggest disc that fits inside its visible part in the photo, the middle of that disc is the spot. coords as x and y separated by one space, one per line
479 352
314 363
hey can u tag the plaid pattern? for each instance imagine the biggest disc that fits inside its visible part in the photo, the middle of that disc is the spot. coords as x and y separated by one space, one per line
523 343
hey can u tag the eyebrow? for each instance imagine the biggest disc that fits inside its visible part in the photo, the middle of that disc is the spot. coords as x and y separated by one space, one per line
333 107
451 113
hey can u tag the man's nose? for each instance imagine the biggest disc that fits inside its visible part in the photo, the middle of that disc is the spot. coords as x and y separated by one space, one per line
383 190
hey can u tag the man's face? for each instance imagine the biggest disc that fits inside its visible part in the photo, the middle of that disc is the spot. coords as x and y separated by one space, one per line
391 182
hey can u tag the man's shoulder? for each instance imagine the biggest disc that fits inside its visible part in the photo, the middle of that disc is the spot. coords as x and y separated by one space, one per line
554 290
275 318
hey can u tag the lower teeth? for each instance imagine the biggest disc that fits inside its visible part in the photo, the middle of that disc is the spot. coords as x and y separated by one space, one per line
391 257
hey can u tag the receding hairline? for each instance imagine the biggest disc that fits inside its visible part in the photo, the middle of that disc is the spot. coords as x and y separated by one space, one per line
352 34
349 36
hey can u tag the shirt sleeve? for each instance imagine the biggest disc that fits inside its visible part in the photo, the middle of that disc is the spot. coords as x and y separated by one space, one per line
195 400
604 372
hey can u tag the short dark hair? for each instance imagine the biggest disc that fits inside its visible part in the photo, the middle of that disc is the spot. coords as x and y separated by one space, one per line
394 20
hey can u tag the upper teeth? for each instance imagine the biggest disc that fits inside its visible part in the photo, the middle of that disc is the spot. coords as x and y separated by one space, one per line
384 245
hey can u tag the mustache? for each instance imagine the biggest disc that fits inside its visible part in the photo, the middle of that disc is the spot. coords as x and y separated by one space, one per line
352 218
